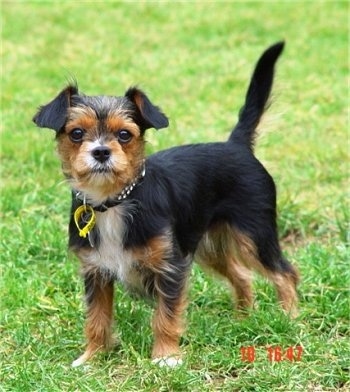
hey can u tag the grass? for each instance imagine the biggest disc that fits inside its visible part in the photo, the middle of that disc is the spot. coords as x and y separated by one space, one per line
194 59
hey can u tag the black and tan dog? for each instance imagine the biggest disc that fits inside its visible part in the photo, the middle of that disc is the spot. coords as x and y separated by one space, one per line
141 221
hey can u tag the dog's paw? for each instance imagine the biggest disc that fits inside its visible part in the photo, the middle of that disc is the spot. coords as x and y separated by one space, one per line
82 359
78 362
170 362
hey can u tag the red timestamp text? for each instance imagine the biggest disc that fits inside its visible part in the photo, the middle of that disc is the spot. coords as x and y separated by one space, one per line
271 353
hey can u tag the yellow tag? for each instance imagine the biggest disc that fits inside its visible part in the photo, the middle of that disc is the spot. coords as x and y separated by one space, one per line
89 225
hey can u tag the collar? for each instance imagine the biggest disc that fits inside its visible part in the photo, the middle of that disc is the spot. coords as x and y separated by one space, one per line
119 198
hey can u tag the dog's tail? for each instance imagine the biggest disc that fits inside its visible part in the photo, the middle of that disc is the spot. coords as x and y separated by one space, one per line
257 96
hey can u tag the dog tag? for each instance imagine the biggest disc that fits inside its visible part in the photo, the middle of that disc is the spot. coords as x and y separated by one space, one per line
86 215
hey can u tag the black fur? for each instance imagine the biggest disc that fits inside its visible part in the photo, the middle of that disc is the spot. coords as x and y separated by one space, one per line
146 115
142 111
54 114
257 96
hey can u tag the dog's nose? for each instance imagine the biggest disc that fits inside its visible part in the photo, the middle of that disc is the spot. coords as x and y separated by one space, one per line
101 154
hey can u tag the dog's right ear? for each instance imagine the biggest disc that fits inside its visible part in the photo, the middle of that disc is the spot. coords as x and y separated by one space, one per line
54 114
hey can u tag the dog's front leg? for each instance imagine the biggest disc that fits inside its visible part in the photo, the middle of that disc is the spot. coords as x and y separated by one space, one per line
168 321
99 299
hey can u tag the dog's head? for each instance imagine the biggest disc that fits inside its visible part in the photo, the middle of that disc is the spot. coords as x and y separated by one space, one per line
100 138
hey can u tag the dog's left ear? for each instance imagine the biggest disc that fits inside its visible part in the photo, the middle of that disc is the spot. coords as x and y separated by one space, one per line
148 115
54 114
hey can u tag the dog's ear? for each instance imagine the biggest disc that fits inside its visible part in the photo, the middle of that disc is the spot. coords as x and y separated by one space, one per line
148 115
54 114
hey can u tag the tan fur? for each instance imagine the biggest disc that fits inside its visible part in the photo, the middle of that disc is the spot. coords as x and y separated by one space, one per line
167 328
286 290
138 101
77 162
99 320
233 255
81 117
155 253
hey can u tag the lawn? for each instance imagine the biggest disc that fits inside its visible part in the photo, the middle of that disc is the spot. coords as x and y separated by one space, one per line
194 60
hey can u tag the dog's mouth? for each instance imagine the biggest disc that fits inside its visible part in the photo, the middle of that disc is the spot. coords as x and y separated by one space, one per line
100 182
101 175
97 175
102 170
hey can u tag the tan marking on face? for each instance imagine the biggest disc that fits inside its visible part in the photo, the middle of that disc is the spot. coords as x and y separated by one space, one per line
115 123
81 117
84 171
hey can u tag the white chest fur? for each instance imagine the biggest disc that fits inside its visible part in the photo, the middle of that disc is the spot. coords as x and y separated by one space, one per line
110 256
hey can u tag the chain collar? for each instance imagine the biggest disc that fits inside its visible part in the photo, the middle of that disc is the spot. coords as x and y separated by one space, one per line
117 199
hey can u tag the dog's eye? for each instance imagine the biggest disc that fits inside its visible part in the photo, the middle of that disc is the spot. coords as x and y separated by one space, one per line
124 136
76 136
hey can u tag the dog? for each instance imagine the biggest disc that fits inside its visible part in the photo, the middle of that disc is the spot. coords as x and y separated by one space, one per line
142 221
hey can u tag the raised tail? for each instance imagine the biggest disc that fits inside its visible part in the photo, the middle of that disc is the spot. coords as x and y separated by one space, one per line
257 96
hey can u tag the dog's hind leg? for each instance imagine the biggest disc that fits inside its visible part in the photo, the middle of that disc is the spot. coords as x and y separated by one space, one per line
215 252
235 256
265 257
286 282
241 280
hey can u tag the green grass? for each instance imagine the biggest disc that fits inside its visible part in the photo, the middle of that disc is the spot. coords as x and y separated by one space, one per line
194 59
